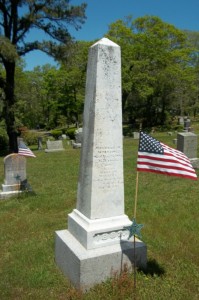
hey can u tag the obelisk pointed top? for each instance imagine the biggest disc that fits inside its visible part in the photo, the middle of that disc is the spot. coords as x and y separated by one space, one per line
105 41
100 185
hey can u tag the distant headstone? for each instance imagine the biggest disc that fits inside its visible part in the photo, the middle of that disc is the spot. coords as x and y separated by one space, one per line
190 129
39 143
54 146
76 145
78 138
187 124
187 143
181 121
195 162
14 175
78 135
96 244
64 136
136 135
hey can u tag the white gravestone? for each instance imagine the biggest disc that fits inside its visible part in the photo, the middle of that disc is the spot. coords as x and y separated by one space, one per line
96 243
14 175
78 135
54 146
39 143
136 135
78 138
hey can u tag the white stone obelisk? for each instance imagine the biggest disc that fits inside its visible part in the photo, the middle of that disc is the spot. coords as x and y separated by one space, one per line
101 183
98 228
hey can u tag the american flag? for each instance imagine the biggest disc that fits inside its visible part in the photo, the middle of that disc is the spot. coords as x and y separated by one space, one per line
156 157
24 150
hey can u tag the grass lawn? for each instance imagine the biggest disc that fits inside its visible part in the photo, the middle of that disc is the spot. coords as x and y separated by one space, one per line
167 206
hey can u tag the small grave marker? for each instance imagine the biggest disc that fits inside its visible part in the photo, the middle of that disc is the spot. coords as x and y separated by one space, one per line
54 146
15 180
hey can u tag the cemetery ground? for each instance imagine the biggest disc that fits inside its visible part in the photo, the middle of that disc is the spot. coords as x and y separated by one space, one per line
167 206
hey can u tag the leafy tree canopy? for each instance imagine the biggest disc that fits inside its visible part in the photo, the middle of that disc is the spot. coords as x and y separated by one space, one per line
17 19
157 68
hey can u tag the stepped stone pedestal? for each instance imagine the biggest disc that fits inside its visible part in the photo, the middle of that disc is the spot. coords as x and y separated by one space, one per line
96 246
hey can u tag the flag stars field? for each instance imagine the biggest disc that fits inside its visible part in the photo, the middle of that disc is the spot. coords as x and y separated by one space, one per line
149 144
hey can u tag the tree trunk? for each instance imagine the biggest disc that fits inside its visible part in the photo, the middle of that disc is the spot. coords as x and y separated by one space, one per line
9 106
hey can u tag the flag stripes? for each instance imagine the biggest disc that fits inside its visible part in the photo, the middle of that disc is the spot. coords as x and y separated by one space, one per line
24 150
157 157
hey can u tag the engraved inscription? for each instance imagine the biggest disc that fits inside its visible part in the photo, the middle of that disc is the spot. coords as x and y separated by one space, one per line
113 235
107 160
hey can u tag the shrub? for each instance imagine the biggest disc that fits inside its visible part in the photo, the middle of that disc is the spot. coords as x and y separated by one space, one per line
56 133
30 137
178 128
128 131
71 133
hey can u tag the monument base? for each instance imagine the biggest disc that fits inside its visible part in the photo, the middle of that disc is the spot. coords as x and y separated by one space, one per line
7 195
11 187
85 268
98 232
53 150
10 190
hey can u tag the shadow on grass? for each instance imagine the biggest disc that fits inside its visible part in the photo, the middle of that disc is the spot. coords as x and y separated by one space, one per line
26 194
153 268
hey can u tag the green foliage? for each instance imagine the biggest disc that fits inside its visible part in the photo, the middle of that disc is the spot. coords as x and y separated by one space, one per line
160 69
30 137
50 98
128 131
56 133
71 133
178 128
17 19
7 50
157 69
3 140
155 83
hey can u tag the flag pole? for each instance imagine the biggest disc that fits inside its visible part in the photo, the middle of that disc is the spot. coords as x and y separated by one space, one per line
137 177
136 194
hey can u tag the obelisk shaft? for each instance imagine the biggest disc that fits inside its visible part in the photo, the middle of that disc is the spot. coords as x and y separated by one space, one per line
101 184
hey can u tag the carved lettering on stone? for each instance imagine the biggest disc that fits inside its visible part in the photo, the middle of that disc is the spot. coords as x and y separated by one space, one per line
113 235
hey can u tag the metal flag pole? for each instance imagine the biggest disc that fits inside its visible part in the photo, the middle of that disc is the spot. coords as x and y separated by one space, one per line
136 194
135 228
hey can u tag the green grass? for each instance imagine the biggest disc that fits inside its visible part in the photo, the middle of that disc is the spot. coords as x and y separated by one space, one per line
167 206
